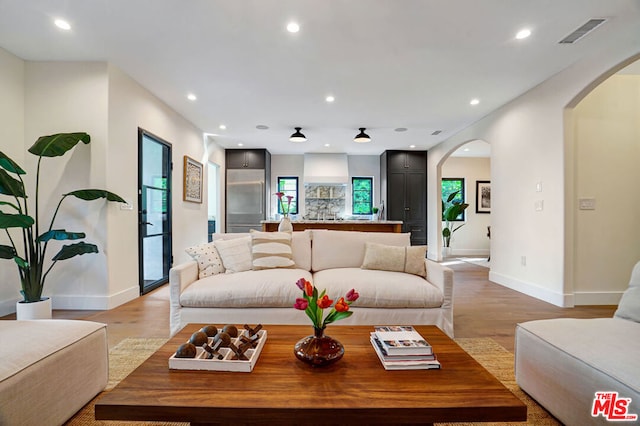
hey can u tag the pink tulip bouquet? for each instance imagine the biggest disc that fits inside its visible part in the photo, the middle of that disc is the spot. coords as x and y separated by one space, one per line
314 304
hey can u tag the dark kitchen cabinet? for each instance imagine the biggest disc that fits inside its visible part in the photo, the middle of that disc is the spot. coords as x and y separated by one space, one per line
246 158
403 175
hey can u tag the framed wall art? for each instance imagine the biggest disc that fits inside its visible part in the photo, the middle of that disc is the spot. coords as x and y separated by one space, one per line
192 185
483 196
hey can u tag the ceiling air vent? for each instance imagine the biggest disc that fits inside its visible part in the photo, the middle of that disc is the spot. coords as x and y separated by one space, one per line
436 133
585 29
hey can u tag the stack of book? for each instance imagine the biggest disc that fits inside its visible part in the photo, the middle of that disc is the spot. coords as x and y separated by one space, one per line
401 347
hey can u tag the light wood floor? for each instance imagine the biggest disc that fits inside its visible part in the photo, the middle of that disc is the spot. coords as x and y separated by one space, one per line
481 309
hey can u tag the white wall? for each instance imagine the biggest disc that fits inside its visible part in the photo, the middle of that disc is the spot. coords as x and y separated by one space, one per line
70 97
606 126
293 165
131 106
527 148
471 239
42 98
286 165
216 155
12 145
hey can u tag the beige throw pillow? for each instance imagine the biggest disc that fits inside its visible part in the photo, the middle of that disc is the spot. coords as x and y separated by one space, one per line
383 257
271 250
409 259
235 254
208 259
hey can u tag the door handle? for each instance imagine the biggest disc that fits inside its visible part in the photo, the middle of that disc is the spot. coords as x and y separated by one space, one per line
406 209
146 223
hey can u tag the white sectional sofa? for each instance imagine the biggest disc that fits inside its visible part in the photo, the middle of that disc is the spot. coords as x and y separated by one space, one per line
50 369
562 363
397 285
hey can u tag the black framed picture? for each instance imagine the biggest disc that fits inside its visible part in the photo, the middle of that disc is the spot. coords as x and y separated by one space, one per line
483 196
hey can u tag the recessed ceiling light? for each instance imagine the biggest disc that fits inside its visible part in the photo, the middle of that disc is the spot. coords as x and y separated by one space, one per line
293 27
474 101
523 34
330 98
412 146
327 145
222 127
262 127
240 144
466 150
192 97
62 24
400 129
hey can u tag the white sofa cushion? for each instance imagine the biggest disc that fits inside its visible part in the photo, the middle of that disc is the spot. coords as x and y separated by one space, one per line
271 250
208 259
300 246
250 289
629 306
346 249
379 289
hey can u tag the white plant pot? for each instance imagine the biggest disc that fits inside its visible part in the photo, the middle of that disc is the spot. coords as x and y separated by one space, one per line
34 310
446 252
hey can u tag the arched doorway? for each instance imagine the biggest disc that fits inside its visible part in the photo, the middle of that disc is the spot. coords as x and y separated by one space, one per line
467 169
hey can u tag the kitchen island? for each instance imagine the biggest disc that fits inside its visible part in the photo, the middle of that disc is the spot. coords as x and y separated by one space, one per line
338 225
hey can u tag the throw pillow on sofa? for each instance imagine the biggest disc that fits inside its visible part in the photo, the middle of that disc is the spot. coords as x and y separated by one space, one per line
271 250
235 254
409 259
629 306
208 259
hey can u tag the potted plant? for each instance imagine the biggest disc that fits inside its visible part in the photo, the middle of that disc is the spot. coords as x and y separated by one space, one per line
29 250
451 209
375 211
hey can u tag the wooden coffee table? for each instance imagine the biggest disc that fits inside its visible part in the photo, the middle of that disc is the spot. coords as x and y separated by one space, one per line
282 390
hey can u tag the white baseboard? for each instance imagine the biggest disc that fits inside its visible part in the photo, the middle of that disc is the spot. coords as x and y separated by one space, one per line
8 306
79 302
96 303
533 290
597 297
470 252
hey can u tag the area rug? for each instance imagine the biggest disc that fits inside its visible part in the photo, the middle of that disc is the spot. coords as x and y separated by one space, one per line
130 353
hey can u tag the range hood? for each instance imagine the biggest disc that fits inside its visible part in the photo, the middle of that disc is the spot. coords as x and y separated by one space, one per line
326 168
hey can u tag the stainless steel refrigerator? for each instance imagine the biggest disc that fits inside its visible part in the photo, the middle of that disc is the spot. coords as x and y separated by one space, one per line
246 205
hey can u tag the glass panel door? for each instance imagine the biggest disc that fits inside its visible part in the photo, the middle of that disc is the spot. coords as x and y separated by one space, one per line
154 214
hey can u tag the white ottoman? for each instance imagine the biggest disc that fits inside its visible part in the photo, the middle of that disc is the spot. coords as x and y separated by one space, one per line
50 369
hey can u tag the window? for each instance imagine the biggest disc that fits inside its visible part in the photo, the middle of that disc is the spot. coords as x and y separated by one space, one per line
288 185
451 185
362 195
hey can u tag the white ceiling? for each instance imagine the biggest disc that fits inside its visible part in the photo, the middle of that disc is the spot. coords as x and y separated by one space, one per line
414 64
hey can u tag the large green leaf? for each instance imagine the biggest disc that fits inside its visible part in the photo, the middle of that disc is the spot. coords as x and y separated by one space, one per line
60 234
15 221
94 194
72 250
9 165
22 264
5 203
454 211
7 252
11 186
58 144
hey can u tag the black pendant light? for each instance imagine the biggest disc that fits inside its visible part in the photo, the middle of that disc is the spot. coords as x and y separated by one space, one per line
297 136
362 137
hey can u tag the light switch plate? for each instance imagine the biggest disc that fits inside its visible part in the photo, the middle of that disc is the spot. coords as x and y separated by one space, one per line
587 203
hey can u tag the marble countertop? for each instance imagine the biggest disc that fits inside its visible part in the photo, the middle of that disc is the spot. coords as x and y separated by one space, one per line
347 221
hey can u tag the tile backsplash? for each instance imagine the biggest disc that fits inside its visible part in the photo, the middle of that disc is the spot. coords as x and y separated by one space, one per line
325 201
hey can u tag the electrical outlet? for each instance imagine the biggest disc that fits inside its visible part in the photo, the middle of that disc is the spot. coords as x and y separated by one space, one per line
539 186
523 260
539 205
